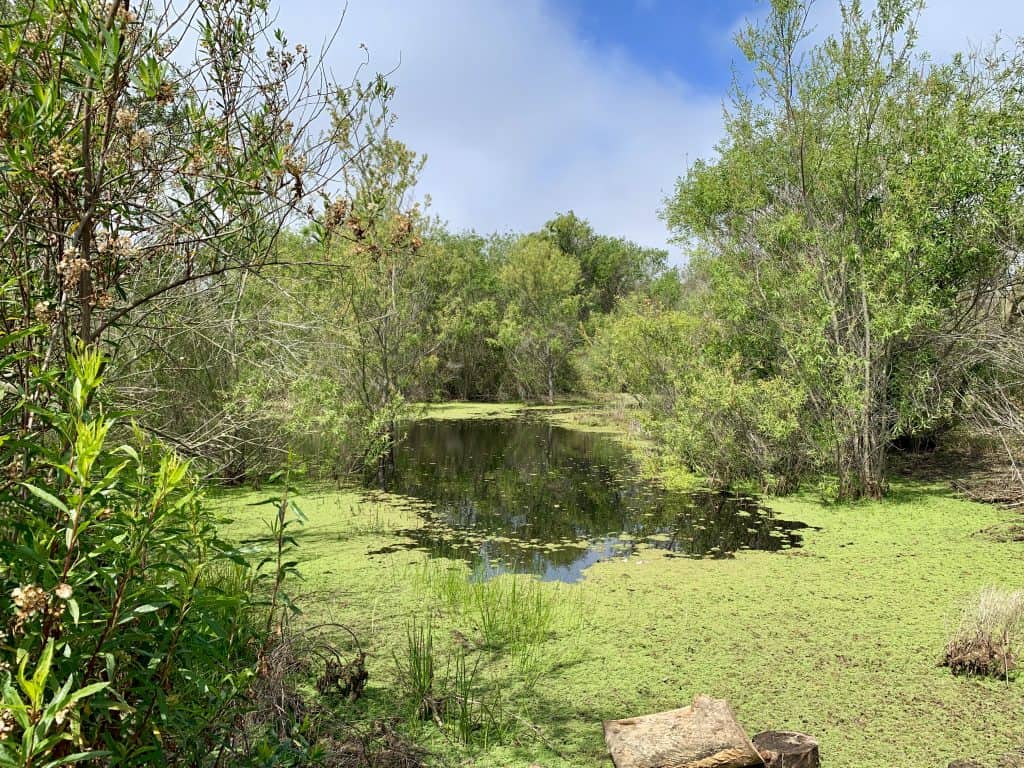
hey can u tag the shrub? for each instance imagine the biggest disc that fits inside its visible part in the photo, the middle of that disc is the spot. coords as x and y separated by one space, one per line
122 636
988 638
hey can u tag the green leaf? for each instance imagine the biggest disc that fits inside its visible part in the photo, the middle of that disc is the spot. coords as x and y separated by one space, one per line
298 511
129 451
88 690
46 496
43 669
77 757
273 500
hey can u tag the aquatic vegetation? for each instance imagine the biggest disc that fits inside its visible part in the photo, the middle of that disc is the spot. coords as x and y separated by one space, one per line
510 612
815 638
418 673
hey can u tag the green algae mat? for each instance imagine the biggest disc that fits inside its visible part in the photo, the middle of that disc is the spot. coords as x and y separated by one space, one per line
838 634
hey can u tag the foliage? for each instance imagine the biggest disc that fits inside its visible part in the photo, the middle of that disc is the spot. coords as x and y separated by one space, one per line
610 267
539 328
113 568
854 236
151 161
471 364
136 166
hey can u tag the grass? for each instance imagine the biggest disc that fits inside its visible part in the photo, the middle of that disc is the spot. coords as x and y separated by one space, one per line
987 640
841 639
418 672
508 612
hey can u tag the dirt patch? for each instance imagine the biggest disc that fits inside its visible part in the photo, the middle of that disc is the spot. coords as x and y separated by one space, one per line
978 469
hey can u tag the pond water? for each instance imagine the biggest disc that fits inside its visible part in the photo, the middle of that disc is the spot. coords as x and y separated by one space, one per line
526 496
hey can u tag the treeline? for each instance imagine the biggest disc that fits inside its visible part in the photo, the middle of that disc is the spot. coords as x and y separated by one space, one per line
366 319
851 286
855 279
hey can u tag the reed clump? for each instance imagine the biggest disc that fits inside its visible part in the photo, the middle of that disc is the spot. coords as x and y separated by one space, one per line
987 641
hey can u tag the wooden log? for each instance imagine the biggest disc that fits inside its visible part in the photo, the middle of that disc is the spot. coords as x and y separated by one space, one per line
703 735
786 749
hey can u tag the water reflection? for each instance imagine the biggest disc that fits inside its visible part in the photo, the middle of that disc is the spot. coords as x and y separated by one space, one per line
524 495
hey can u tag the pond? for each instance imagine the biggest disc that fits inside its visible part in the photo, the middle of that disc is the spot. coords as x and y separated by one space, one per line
524 495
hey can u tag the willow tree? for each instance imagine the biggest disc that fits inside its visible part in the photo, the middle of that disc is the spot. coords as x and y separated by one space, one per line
862 203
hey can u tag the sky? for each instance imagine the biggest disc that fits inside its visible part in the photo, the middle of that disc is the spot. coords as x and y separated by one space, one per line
528 108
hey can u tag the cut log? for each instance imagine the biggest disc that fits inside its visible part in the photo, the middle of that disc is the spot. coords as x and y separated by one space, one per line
786 749
703 735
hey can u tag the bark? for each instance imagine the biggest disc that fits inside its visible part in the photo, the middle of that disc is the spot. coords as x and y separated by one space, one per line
703 735
786 749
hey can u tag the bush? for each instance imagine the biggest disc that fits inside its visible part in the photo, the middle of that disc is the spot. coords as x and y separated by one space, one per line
730 428
122 638
988 639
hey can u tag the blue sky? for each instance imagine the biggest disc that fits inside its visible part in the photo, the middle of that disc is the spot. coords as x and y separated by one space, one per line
689 38
526 108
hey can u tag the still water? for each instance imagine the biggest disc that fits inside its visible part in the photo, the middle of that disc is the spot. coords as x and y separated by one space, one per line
526 496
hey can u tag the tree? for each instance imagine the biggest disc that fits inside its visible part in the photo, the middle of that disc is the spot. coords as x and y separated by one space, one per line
360 323
469 313
610 267
861 205
539 327
139 170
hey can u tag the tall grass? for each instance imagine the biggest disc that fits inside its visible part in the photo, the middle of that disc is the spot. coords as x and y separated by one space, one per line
419 670
507 612
990 635
460 703
497 654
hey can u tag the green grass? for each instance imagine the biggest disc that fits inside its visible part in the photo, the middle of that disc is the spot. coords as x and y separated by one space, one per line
509 612
840 639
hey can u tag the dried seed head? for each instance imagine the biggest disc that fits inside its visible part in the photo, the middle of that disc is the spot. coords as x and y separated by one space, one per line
71 267
29 601
125 118
142 139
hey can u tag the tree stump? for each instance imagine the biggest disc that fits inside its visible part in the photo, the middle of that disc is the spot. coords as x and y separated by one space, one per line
703 735
786 749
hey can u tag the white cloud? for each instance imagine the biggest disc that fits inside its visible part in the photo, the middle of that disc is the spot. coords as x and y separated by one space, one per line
520 119
948 26
944 27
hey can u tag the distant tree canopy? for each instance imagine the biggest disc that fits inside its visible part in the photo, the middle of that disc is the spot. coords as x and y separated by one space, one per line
374 309
852 276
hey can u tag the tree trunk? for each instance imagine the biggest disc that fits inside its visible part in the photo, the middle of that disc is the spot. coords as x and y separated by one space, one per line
786 749
702 735
551 377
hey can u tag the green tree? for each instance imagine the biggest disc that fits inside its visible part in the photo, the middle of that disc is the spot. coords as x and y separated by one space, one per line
469 314
610 267
540 326
860 205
